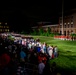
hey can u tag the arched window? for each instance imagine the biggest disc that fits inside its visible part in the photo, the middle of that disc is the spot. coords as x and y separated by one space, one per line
60 32
65 33
68 32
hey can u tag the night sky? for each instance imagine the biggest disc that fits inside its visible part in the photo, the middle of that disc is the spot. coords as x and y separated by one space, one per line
23 14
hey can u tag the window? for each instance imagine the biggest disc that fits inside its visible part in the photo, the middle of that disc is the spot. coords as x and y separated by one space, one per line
71 22
60 26
60 32
4 26
64 23
71 25
1 26
67 32
71 30
64 26
8 30
68 24
57 30
7 27
71 17
5 23
60 23
0 23
0 29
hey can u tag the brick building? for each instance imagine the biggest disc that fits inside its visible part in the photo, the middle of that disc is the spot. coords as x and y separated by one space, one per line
54 28
69 24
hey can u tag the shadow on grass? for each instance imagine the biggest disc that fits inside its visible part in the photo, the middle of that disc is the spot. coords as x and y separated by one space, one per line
70 68
65 64
65 71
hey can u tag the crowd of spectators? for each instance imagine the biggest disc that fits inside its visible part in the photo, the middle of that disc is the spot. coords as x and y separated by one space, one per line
15 53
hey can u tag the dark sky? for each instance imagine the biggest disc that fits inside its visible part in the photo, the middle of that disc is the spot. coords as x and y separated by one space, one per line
29 12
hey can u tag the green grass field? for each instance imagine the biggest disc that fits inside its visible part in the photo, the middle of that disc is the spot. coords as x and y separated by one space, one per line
66 60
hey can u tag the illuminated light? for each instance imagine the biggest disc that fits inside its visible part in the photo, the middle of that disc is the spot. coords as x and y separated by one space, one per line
7 26
4 26
60 23
5 23
71 22
8 30
65 23
0 23
68 23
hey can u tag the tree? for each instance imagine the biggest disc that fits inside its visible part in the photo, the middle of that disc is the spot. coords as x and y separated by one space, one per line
41 31
49 30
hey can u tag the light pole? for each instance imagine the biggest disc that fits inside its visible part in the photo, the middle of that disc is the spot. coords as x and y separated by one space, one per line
62 17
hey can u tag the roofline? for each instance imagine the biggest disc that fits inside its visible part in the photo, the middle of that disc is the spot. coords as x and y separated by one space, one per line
46 26
34 27
50 25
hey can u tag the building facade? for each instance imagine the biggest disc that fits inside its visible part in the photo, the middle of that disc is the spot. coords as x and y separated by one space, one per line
53 28
67 26
69 23
4 27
